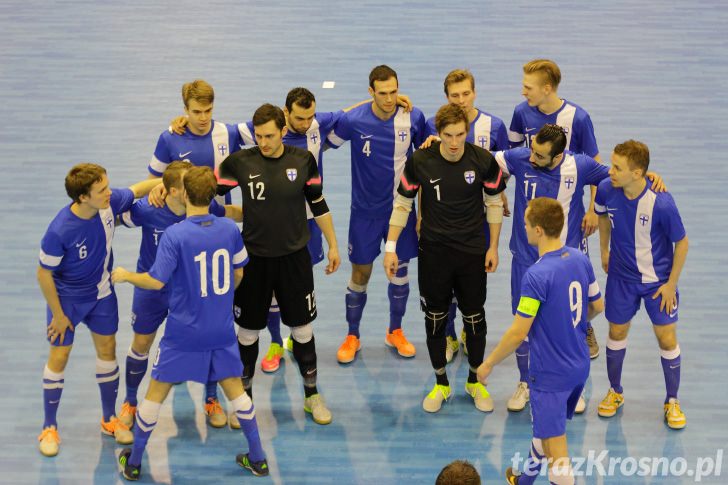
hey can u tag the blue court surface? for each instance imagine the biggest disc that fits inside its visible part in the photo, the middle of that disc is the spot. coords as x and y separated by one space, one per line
98 81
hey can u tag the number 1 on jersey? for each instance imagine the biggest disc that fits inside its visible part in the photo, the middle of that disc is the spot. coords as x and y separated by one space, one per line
526 183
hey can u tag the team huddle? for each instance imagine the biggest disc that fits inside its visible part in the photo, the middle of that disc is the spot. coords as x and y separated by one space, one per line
200 274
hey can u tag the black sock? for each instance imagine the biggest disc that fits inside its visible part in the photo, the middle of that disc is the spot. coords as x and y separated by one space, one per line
305 355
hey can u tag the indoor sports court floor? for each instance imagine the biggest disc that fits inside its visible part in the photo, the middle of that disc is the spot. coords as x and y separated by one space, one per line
98 81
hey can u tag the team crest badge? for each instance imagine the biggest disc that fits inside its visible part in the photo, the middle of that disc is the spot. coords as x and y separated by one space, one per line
291 173
222 148
569 181
644 219
483 141
469 176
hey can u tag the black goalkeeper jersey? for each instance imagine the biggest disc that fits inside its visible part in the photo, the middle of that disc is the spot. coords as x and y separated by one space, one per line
452 194
275 191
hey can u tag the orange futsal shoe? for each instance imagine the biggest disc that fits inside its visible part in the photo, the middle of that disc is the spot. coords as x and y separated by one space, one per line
347 351
397 340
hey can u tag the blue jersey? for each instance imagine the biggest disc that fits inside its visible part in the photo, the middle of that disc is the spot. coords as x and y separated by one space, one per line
312 140
78 251
379 150
577 125
486 131
564 183
201 150
557 289
643 233
196 259
154 221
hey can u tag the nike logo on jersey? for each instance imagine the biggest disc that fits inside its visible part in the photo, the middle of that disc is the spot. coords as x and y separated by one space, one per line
529 129
78 245
136 373
435 180
182 155
364 137
254 176
530 175
611 209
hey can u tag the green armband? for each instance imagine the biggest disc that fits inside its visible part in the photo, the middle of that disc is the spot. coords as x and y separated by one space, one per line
528 306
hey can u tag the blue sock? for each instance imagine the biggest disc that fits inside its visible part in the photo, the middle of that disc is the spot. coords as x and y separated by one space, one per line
398 291
136 367
146 419
522 360
52 390
245 412
671 368
107 376
210 391
274 323
532 467
355 302
616 351
450 327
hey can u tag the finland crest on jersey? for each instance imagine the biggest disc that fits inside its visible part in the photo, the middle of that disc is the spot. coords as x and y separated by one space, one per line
469 176
483 141
222 148
291 173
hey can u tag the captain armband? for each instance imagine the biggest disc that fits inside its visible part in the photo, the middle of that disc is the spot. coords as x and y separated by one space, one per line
528 306
494 209
319 207
400 211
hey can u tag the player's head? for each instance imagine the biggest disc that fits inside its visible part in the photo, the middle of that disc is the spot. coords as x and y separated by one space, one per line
451 122
541 78
384 87
460 88
300 109
630 161
172 179
547 147
86 183
198 97
200 186
269 123
458 472
544 218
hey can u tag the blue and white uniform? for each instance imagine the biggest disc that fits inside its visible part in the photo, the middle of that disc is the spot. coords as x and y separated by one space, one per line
196 259
150 307
557 290
313 141
528 120
78 252
379 150
564 183
641 250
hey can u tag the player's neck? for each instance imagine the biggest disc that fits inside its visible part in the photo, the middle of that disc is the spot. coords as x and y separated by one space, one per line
633 190
193 210
382 115
552 104
177 208
83 211
198 132
547 244
451 157
472 114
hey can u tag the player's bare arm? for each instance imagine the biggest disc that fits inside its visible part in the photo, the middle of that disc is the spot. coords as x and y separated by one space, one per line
605 233
507 345
140 280
668 291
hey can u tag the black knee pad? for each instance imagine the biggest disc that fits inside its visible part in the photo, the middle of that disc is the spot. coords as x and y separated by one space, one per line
435 323
474 323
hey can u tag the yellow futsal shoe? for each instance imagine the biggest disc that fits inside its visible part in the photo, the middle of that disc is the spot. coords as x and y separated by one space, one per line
481 396
433 401
49 441
674 417
611 402
451 348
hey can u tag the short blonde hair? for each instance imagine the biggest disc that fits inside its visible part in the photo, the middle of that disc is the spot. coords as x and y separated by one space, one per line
198 90
457 76
549 71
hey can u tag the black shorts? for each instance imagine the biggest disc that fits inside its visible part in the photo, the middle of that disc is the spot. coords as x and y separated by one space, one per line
443 271
290 277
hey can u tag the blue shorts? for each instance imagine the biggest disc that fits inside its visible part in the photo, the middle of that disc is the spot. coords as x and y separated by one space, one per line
622 300
315 244
517 272
148 310
550 410
100 316
367 235
172 365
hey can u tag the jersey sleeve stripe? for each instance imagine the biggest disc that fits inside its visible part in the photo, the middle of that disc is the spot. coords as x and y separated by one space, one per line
594 292
126 219
316 181
514 137
335 140
241 257
156 166
407 185
496 184
501 159
599 208
48 260
245 134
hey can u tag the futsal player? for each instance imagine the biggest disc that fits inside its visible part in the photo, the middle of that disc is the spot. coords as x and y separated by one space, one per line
382 136
559 293
74 276
201 259
643 248
452 176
